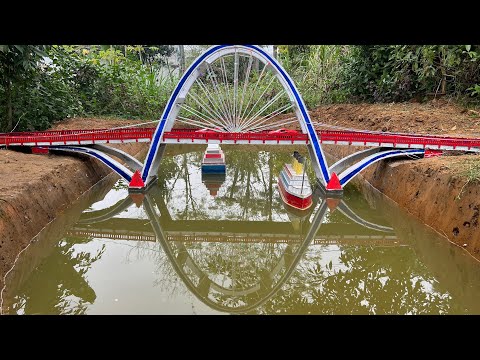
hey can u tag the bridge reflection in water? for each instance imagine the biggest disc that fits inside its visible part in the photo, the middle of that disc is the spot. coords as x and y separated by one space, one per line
331 259
244 294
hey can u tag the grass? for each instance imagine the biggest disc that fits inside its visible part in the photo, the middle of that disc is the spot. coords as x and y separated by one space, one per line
468 169
317 74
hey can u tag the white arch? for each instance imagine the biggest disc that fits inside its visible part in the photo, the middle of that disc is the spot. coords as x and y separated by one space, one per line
170 112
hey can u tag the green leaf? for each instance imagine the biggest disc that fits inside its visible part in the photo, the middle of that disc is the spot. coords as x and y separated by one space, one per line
20 48
40 52
468 47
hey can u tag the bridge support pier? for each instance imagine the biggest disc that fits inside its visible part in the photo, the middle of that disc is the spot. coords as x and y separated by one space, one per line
138 186
40 150
143 181
333 185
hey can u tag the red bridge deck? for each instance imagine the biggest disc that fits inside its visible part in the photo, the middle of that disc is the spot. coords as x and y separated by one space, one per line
188 136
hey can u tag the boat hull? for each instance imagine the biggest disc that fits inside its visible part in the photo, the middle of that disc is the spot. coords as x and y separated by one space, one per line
294 201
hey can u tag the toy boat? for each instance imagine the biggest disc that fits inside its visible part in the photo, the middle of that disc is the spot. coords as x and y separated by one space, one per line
213 160
293 184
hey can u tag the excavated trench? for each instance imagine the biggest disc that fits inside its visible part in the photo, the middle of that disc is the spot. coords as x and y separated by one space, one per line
35 189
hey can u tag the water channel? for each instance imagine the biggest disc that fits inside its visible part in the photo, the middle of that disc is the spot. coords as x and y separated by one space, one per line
228 245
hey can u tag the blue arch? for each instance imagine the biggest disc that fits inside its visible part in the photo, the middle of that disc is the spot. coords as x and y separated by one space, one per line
121 170
313 138
312 134
349 173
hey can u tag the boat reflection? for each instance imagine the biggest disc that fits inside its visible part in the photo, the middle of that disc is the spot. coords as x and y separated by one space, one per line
213 182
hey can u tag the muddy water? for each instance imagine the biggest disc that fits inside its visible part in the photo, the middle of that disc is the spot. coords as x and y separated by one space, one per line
224 245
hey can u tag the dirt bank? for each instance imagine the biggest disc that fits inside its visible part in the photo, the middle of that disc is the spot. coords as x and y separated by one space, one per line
34 189
432 189
434 117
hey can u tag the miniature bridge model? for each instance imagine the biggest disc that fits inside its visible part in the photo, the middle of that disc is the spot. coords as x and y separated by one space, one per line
224 98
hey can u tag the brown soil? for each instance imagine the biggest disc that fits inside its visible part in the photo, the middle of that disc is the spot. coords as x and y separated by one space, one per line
431 189
434 117
34 189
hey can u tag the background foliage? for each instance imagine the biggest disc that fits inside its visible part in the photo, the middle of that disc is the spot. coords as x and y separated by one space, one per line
43 84
384 73
40 85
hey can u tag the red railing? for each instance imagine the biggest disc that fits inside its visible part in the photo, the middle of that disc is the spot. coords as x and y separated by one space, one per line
396 139
183 134
330 136
58 136
135 134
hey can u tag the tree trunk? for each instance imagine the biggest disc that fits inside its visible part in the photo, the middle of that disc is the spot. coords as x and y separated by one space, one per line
8 97
181 58
256 65
246 197
444 81
234 182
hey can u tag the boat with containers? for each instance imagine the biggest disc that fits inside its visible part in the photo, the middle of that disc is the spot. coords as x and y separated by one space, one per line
293 184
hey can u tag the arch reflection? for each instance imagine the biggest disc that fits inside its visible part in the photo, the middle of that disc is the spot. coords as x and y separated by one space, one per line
234 270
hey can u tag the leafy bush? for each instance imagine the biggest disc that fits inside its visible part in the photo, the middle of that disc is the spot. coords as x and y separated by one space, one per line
108 83
43 84
44 99
332 73
38 88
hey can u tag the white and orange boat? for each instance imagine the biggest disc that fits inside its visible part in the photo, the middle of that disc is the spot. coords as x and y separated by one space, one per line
293 184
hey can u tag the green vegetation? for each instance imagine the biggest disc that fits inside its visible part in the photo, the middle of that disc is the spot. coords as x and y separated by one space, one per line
468 169
471 169
332 73
316 71
43 84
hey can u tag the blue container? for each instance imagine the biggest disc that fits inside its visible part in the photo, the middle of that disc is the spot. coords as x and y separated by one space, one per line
214 169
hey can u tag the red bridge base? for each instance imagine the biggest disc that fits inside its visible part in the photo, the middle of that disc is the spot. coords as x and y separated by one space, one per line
334 184
136 183
39 150
431 153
